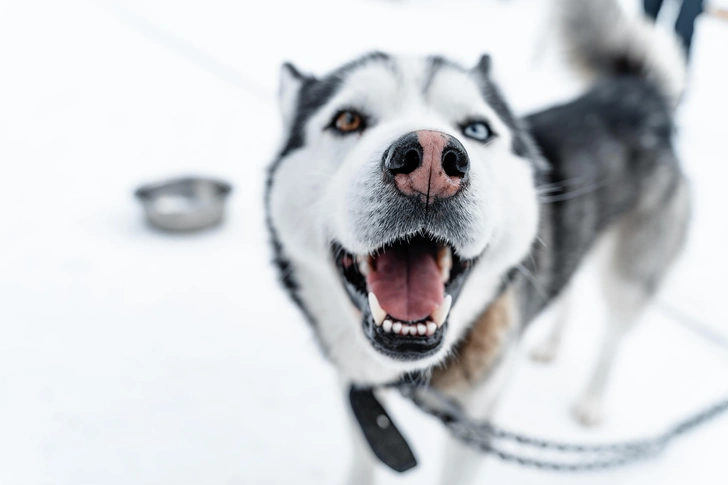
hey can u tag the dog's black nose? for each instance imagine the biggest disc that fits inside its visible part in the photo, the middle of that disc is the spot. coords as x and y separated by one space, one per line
428 163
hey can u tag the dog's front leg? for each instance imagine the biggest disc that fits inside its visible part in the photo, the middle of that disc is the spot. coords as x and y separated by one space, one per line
463 463
363 463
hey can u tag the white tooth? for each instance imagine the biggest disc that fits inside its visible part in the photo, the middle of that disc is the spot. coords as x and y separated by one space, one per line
413 329
364 265
387 326
421 328
444 261
378 312
431 328
397 327
440 315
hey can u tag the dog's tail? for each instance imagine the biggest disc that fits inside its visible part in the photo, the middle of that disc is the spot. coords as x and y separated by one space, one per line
603 41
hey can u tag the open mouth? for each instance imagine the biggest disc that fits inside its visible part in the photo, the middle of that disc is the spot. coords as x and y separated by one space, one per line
405 291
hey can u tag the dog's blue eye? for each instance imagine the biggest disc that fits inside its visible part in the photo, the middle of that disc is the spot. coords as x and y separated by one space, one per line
477 130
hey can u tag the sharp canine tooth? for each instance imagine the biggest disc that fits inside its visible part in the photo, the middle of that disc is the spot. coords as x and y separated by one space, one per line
378 312
397 327
364 265
444 261
431 328
421 328
387 326
440 315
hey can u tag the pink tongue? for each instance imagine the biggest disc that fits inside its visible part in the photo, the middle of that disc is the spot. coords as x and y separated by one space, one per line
406 281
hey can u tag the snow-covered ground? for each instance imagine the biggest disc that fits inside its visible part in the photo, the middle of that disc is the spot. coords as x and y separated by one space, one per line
128 356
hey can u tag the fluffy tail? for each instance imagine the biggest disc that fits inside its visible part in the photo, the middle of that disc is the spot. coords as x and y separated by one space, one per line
603 41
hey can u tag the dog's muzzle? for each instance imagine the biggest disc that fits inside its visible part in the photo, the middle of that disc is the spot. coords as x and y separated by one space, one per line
406 287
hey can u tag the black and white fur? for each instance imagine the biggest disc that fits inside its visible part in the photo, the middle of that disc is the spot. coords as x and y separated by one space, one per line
595 175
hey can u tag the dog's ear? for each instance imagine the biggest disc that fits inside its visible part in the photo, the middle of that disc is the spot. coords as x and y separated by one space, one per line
482 68
289 89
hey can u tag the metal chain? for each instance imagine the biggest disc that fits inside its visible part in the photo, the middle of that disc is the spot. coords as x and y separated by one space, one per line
583 457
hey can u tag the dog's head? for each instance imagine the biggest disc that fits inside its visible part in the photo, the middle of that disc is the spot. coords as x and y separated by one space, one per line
403 194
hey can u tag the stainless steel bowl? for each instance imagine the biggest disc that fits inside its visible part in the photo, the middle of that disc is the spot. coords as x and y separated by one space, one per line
184 204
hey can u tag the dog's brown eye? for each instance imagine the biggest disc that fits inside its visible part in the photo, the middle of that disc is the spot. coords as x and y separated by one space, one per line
348 122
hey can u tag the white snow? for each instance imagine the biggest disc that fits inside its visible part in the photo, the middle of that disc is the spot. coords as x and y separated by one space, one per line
128 356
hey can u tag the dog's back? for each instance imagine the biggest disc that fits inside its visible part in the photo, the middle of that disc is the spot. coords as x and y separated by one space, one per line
610 150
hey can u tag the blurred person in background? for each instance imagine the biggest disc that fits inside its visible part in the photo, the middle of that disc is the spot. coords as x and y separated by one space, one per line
685 23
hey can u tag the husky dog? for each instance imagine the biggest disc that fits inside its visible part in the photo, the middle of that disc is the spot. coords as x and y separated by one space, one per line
420 225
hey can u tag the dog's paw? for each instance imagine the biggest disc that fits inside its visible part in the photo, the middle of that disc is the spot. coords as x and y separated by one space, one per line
545 352
588 411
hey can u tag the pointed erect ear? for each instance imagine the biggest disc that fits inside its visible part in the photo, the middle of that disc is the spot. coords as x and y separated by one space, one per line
483 66
289 89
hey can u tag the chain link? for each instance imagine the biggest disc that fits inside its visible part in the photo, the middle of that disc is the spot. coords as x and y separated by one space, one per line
577 457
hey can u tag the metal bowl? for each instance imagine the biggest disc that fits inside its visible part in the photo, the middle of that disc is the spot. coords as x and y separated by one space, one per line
184 204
